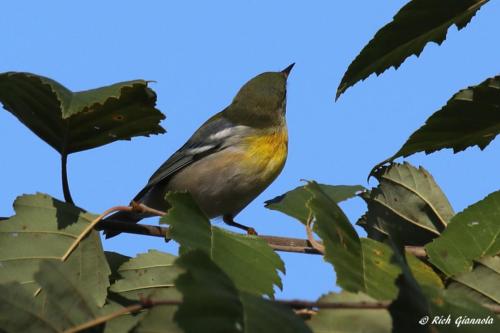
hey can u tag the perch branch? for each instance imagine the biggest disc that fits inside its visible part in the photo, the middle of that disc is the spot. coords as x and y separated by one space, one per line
283 244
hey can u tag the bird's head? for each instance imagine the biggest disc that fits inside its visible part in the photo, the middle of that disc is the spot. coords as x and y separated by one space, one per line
262 100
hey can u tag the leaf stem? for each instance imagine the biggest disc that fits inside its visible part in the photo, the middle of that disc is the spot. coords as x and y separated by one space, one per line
64 177
90 226
134 207
310 237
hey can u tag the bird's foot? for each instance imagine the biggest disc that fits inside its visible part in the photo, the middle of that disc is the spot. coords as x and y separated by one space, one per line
252 232
230 221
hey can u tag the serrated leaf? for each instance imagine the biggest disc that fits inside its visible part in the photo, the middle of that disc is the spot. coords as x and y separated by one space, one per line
75 121
115 260
123 323
262 315
416 24
482 281
471 117
438 305
66 304
293 203
471 234
211 299
63 288
145 274
386 217
20 313
350 320
159 319
409 201
424 308
361 265
445 303
50 226
333 225
344 250
156 319
189 226
423 273
248 260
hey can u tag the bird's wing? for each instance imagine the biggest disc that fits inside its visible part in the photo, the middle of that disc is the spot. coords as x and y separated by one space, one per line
212 136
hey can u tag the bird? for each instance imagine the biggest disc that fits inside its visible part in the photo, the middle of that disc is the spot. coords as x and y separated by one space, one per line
230 159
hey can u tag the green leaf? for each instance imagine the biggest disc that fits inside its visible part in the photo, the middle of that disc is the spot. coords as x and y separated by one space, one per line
145 274
189 226
416 24
471 234
50 226
293 203
360 264
159 319
66 304
471 117
411 304
409 201
262 315
416 302
75 121
20 313
63 288
423 273
448 303
440 304
248 260
115 260
405 194
342 245
480 284
211 299
123 323
350 320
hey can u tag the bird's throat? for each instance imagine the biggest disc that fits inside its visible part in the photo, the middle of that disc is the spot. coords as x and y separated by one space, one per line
267 153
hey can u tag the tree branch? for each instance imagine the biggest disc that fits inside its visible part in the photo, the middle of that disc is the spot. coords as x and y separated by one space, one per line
294 304
284 244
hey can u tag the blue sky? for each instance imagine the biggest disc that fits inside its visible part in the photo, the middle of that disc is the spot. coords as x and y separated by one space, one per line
200 53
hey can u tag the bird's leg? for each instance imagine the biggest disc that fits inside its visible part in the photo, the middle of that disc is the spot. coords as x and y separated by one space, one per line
228 219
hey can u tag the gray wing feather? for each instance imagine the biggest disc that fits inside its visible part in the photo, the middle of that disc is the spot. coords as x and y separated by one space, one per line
201 144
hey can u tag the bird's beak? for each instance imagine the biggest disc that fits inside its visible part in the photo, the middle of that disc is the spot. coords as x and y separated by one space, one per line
287 70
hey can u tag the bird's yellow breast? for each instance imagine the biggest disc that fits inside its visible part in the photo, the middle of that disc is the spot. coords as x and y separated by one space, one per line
266 154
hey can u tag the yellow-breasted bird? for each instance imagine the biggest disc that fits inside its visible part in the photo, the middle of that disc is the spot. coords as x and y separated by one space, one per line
230 159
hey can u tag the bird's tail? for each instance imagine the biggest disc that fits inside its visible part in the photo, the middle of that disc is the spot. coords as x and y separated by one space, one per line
129 217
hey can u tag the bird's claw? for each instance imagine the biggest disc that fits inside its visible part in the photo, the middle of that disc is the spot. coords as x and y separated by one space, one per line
252 232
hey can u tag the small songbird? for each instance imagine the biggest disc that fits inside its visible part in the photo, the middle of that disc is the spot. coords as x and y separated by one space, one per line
230 159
